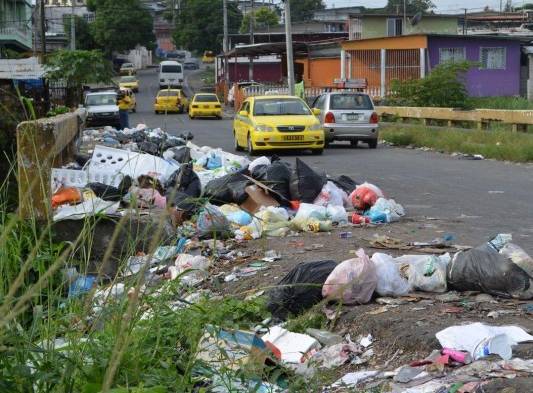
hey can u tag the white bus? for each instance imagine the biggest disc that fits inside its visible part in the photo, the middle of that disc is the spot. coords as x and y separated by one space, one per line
170 74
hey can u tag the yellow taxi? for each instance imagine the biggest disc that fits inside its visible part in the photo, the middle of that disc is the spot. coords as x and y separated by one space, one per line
171 100
205 104
208 57
133 102
129 82
277 122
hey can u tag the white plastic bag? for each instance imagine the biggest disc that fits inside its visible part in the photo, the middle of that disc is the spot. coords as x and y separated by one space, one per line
519 257
481 340
426 272
352 281
197 266
254 230
331 195
257 162
394 211
390 280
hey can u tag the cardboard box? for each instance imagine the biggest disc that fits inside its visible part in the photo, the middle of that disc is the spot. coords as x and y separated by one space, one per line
257 198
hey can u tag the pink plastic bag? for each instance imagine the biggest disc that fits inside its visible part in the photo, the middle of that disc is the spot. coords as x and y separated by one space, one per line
352 281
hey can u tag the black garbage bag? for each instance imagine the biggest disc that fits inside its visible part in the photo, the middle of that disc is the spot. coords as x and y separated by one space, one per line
276 176
228 188
485 270
121 137
171 142
110 193
183 188
81 159
149 148
292 295
305 183
138 136
345 183
181 154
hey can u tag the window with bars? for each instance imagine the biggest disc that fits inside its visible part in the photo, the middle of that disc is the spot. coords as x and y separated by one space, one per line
394 27
452 55
493 58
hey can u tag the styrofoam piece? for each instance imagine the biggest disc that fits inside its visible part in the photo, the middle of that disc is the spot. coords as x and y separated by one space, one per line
80 178
293 346
87 208
130 163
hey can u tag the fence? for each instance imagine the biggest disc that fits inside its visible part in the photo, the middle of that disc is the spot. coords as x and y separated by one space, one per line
519 119
42 145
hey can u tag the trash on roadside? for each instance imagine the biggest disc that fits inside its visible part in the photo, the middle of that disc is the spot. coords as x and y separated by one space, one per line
211 222
390 280
257 198
331 195
235 350
300 289
355 378
81 285
306 184
425 272
336 355
352 281
486 269
481 340
291 347
324 337
365 196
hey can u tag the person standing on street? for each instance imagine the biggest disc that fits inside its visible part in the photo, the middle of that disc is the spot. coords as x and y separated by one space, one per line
124 103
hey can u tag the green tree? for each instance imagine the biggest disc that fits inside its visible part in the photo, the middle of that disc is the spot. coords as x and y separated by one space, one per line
443 87
84 37
199 25
263 17
121 25
304 10
413 6
76 68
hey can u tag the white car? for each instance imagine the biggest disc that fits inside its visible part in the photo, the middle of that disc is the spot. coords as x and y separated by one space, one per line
170 74
102 109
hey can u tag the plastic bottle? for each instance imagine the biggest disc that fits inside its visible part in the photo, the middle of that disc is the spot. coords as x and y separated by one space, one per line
498 345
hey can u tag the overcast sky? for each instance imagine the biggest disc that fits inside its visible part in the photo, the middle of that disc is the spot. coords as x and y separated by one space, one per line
446 6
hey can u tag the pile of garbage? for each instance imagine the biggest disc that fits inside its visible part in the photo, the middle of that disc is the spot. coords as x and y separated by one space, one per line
222 194
497 267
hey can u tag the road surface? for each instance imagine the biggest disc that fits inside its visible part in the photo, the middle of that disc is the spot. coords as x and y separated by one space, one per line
478 198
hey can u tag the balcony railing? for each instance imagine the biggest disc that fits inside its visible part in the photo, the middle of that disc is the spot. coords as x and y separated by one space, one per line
20 33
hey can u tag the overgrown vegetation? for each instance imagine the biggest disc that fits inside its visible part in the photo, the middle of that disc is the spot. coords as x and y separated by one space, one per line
511 103
500 145
443 87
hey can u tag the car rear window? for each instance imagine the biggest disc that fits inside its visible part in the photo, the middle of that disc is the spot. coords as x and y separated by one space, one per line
127 79
165 93
350 101
206 98
171 69
280 107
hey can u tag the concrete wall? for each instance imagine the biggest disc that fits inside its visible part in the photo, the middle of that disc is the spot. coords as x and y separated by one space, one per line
42 145
481 82
263 72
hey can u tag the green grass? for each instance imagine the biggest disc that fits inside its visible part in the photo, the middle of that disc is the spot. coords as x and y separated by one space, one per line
514 103
500 145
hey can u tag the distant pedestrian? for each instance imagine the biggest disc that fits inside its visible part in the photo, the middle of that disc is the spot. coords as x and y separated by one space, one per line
124 103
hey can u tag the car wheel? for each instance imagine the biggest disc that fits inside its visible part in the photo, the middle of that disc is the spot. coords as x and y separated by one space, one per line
236 142
134 110
180 109
157 112
317 152
191 117
327 143
354 143
251 150
373 144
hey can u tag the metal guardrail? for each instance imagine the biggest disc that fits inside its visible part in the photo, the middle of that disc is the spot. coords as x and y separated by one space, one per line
519 119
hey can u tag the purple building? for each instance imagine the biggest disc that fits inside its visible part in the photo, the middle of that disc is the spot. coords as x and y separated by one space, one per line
379 61
497 72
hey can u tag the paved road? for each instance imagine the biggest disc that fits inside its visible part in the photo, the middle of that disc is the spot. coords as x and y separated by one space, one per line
485 197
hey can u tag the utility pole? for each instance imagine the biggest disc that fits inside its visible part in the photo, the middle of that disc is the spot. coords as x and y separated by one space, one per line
465 22
288 39
72 28
225 45
252 41
43 30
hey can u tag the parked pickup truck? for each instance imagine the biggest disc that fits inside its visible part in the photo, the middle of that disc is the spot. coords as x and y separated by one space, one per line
102 109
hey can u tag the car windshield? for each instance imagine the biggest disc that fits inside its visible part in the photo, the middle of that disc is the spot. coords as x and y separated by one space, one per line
126 79
168 93
206 98
127 65
280 107
101 99
350 101
171 69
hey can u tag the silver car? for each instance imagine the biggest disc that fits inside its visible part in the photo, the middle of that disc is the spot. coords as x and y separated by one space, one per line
348 117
